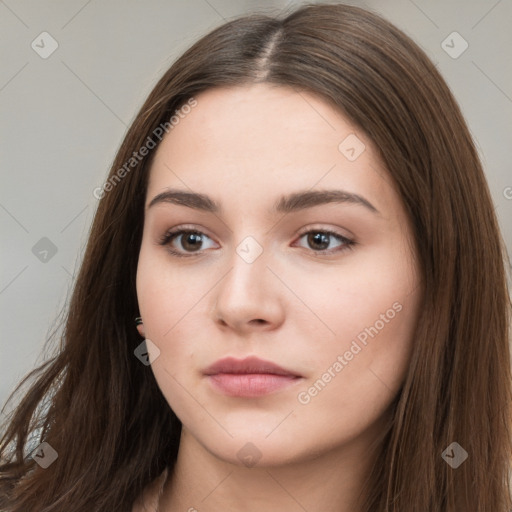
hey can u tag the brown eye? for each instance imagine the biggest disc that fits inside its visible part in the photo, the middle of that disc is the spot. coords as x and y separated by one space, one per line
191 241
319 240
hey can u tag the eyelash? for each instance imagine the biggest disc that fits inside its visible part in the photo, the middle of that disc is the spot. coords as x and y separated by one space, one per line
169 235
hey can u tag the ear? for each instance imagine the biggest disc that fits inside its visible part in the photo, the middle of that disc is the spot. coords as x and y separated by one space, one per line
140 328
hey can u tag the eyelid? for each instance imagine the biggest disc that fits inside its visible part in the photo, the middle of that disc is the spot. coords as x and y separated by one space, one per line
177 230
324 228
348 242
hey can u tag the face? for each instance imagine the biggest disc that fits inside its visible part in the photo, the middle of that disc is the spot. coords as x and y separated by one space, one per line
324 286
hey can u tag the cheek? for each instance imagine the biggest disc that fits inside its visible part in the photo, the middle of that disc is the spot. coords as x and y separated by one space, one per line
356 304
165 293
356 378
167 299
179 392
368 317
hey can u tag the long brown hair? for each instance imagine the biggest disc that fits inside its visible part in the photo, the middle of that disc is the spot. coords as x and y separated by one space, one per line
101 410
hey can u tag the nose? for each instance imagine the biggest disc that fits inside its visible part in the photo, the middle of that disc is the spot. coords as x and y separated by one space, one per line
249 297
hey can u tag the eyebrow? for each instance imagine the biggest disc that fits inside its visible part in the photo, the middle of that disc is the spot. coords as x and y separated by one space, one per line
293 202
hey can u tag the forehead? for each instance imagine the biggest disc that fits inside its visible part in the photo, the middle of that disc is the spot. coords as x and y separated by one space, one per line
244 117
260 141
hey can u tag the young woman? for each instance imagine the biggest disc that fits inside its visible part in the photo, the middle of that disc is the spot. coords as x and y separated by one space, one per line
300 225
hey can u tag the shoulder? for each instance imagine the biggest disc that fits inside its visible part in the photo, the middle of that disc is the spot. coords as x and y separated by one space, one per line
148 500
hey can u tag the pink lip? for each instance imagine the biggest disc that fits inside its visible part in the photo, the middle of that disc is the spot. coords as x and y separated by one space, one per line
248 377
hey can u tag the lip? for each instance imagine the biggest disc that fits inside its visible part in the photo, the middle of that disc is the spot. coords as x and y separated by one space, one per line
249 377
250 364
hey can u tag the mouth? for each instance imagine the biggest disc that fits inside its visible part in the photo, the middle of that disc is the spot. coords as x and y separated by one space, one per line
250 377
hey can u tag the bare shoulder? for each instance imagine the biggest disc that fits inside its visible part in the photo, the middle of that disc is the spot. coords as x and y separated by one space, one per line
148 500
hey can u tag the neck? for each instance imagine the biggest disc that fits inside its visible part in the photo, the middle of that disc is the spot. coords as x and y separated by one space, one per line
331 481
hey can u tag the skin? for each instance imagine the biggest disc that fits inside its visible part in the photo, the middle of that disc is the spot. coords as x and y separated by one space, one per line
245 147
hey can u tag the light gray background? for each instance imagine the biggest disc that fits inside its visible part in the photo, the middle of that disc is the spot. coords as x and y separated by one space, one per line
64 117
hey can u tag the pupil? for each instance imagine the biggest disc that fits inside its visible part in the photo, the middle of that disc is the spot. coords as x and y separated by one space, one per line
319 238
